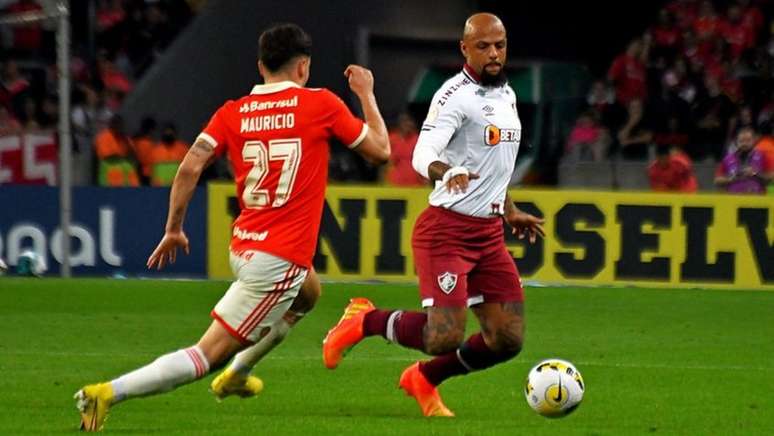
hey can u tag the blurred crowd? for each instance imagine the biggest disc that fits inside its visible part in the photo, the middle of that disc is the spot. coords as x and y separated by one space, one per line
129 35
697 86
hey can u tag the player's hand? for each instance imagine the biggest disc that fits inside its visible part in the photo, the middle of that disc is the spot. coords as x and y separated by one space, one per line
524 224
460 182
361 80
166 252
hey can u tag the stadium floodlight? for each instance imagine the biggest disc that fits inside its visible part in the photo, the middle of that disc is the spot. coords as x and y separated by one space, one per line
59 10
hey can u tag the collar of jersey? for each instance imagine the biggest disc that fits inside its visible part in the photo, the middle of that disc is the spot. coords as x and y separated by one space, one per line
273 87
471 73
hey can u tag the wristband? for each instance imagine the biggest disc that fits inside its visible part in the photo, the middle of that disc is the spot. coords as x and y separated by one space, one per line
454 172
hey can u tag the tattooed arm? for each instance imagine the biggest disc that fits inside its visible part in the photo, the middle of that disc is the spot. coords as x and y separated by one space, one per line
182 190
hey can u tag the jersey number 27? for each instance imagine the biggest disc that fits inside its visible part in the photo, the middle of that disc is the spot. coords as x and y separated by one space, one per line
256 152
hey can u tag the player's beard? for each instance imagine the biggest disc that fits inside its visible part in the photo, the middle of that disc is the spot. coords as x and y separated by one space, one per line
498 79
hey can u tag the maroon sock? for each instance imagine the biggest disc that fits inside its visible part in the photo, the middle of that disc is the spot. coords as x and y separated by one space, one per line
375 322
409 330
406 328
473 355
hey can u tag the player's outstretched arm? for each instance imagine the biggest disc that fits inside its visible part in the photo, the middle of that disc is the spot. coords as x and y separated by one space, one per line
375 147
182 190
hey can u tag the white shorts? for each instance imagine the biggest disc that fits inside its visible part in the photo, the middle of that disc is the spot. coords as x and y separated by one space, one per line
264 290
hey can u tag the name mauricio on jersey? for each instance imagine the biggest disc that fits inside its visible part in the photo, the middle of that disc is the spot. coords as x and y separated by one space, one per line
267 122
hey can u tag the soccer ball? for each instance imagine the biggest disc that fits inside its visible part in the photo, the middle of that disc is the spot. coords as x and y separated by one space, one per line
554 388
31 263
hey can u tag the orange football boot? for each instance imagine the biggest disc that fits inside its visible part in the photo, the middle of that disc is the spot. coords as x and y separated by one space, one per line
416 385
347 333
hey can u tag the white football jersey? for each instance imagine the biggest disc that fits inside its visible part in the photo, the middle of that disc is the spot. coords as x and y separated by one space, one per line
476 127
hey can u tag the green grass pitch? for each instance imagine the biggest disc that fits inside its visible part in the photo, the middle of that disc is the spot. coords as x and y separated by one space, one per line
655 362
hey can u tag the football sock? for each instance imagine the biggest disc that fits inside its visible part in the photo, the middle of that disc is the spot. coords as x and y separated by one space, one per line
404 328
375 322
246 359
163 374
473 355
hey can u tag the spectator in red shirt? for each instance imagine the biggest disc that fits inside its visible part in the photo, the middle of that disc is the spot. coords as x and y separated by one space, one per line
12 86
112 78
707 25
666 35
26 37
684 11
752 16
403 138
736 33
110 13
672 170
8 124
628 72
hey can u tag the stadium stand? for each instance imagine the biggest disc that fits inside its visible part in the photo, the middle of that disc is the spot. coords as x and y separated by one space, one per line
691 81
129 36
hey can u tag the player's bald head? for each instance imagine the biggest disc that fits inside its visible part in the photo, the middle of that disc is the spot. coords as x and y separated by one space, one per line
484 45
482 24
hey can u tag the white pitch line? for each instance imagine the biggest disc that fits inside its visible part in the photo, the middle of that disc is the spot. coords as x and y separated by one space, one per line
366 358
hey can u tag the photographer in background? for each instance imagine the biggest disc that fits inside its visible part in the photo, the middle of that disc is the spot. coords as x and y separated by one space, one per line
743 170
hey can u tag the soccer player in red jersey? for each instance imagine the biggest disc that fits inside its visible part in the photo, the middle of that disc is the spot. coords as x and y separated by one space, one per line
277 141
467 146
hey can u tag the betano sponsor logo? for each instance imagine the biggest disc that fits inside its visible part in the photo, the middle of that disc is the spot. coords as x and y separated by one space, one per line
494 135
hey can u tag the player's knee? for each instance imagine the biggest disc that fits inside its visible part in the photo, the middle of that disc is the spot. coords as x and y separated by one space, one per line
436 345
506 343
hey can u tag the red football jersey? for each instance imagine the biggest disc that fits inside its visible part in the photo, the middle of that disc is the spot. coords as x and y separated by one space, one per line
277 142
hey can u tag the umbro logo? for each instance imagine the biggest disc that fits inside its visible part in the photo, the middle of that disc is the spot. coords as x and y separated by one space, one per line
488 108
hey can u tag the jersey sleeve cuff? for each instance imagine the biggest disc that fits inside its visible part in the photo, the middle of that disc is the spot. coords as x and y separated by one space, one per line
360 138
208 139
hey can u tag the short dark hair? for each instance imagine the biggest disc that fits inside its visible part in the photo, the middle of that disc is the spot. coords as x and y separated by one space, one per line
282 42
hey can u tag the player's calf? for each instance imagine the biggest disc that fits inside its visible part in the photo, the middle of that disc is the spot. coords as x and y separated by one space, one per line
505 342
438 331
445 329
502 327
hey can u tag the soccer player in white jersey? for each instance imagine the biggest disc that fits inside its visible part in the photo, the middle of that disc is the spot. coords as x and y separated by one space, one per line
467 146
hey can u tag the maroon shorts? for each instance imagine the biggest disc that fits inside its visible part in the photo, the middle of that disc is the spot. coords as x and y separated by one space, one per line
462 260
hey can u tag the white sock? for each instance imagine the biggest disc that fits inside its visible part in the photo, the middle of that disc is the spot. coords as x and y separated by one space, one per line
163 374
245 360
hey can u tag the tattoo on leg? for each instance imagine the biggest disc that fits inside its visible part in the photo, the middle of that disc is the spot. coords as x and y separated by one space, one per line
445 329
502 326
510 332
